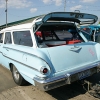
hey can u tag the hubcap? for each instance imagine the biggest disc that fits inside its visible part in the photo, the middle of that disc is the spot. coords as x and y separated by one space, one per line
16 73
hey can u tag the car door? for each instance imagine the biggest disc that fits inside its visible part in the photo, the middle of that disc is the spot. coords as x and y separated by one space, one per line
1 45
5 49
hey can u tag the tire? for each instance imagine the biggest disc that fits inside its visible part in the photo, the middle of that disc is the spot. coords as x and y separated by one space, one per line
19 80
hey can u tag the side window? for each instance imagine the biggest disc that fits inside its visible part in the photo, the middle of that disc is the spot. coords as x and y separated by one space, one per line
22 38
1 37
87 33
88 30
7 38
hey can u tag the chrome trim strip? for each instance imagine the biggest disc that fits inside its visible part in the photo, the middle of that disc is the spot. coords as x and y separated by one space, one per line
48 84
26 53
21 62
53 84
42 81
86 67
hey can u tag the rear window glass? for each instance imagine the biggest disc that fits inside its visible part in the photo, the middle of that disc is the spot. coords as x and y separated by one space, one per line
88 30
1 36
22 38
8 39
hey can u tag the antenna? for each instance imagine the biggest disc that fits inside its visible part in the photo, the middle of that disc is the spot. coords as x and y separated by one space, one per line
65 6
6 12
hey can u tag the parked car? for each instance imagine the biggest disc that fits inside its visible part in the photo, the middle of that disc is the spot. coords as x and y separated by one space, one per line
50 52
91 32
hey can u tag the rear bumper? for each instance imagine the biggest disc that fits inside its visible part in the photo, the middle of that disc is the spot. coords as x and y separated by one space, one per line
54 82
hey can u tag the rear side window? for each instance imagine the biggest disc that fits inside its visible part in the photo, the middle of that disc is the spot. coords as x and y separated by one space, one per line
7 38
88 30
22 38
1 37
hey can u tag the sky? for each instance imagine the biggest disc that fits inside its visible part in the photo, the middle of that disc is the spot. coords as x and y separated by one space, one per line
23 9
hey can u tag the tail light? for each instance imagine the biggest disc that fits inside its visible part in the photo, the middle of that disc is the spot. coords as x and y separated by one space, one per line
44 70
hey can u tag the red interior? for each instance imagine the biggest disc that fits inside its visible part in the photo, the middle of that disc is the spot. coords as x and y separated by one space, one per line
38 33
67 42
73 41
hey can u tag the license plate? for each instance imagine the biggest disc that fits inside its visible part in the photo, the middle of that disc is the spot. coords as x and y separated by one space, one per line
84 74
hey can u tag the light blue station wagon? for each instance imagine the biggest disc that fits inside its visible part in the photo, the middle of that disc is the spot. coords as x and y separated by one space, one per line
50 52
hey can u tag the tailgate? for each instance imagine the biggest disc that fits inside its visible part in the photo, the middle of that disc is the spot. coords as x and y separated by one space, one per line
72 56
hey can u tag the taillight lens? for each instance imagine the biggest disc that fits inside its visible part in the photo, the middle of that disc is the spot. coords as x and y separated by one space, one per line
43 70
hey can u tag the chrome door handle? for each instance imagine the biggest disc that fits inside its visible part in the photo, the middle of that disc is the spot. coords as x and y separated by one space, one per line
75 48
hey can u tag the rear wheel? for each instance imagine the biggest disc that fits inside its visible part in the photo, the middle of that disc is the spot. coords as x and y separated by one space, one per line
17 76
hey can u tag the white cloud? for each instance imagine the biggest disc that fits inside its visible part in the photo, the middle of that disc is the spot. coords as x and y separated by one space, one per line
57 2
70 2
76 7
15 3
32 10
47 1
88 1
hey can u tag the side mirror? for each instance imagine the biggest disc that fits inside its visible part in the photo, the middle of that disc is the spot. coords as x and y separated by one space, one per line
1 41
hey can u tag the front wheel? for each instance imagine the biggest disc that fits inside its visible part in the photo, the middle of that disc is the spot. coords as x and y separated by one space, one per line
17 76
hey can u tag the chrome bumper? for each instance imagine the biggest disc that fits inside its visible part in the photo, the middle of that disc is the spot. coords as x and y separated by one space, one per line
55 82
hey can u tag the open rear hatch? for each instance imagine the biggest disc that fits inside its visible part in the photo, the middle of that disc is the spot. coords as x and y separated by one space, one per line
81 18
73 56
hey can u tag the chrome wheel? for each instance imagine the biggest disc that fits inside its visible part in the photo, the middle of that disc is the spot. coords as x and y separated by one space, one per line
16 73
17 76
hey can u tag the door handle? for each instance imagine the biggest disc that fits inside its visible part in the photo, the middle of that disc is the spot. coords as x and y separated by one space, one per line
75 48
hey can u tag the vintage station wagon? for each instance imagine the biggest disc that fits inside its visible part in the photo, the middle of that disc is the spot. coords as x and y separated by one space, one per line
50 52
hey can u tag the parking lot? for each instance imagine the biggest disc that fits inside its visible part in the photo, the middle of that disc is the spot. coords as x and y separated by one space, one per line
10 91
